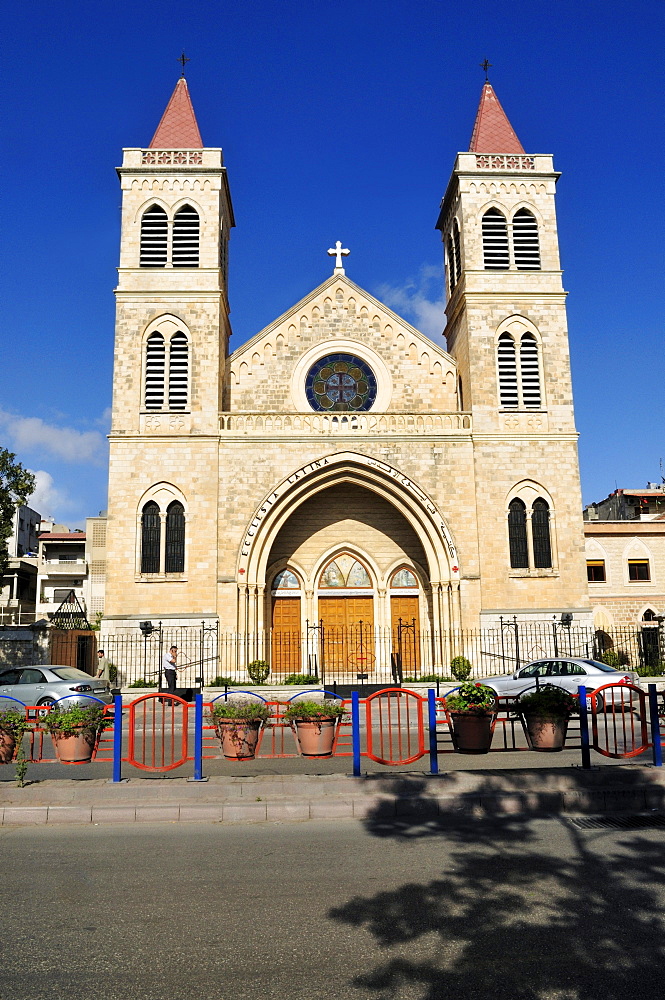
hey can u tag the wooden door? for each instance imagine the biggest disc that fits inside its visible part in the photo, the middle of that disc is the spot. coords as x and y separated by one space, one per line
286 637
406 608
348 628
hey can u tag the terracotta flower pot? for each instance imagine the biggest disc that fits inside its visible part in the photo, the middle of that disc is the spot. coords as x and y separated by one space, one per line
7 747
316 736
76 748
546 735
472 733
239 738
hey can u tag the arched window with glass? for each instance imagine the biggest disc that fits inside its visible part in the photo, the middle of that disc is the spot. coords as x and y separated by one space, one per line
517 536
540 529
174 560
151 526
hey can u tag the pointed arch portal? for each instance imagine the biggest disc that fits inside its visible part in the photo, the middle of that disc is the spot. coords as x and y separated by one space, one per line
385 481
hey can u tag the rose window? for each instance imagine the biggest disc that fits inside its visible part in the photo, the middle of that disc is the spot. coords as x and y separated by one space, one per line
340 383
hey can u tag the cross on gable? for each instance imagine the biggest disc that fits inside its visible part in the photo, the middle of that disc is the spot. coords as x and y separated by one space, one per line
338 252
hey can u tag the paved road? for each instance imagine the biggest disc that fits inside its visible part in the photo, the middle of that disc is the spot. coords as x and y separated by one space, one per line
512 909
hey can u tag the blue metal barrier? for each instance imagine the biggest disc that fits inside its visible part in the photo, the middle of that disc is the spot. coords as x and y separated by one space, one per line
433 746
584 727
117 737
355 732
198 737
657 747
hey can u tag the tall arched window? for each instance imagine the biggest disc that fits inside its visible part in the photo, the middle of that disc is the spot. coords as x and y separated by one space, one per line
185 251
495 241
507 363
150 538
526 248
540 527
178 371
529 371
175 538
519 549
155 370
154 237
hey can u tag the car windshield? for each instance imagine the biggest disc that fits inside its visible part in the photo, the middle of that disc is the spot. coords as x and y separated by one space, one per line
601 666
70 674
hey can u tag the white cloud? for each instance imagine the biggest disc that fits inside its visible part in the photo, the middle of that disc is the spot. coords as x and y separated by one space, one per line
66 443
47 498
420 301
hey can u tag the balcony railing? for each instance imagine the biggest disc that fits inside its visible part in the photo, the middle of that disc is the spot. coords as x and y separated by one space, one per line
421 424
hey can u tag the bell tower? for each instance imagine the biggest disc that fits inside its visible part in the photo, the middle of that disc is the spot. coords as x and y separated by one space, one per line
507 330
171 345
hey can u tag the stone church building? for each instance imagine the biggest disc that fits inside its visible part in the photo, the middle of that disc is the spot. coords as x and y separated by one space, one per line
341 472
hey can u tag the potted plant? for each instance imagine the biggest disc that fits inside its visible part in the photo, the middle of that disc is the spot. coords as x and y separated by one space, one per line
238 726
13 724
545 713
472 712
75 731
315 724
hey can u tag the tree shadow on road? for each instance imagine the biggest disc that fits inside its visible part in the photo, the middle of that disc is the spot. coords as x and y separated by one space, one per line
522 908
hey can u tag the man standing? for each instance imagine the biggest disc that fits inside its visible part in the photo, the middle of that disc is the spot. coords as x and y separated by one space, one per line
103 666
169 668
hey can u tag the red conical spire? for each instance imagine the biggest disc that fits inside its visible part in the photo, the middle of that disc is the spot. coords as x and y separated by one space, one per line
492 132
178 128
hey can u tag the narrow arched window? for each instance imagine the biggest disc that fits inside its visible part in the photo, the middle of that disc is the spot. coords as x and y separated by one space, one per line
150 538
178 371
451 265
526 248
175 538
155 368
529 371
540 528
495 241
458 252
507 364
519 549
185 251
154 237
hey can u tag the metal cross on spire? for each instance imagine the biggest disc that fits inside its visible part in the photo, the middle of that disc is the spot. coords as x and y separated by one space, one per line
485 65
338 253
183 59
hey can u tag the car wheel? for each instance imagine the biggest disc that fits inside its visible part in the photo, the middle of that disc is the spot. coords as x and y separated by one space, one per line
46 702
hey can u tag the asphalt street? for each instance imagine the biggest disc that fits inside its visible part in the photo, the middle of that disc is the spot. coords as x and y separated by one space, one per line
508 908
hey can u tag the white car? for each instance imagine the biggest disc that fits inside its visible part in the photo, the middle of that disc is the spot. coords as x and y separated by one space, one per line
566 672
45 683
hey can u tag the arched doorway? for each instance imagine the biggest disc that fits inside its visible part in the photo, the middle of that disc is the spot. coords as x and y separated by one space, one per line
286 634
405 619
650 638
346 615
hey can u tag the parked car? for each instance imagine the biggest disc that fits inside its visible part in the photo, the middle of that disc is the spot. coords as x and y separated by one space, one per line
566 672
45 684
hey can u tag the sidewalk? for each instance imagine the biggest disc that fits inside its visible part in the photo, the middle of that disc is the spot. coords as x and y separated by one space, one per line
389 795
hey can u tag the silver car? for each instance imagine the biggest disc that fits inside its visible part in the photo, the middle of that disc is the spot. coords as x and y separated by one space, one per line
566 672
44 684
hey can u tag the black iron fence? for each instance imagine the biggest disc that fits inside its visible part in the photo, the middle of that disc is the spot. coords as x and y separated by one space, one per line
208 656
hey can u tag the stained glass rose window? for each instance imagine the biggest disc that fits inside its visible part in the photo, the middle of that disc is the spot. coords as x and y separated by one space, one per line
340 383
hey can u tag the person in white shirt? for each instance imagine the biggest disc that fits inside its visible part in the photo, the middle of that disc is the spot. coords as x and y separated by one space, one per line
169 667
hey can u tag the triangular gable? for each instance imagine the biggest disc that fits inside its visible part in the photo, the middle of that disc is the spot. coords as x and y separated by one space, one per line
372 304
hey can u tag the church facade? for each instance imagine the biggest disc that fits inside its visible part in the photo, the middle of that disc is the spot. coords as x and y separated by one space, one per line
341 472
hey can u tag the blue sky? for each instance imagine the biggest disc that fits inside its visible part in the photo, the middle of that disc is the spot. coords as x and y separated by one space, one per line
338 121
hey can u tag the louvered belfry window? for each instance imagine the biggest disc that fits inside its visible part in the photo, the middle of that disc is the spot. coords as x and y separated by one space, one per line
540 527
508 394
529 371
178 371
519 549
154 237
150 538
175 538
526 248
185 251
458 252
495 241
155 370
452 281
